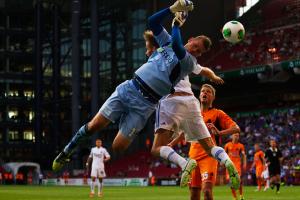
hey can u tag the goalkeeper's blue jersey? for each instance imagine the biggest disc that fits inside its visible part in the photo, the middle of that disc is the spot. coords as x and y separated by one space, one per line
159 71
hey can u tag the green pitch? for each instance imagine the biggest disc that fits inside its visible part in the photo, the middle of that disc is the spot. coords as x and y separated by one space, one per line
134 193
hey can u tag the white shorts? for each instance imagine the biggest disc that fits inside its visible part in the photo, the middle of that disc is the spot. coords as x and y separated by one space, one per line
98 172
265 174
181 114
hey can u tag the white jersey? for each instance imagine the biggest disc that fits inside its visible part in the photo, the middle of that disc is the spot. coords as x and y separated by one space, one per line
98 155
184 85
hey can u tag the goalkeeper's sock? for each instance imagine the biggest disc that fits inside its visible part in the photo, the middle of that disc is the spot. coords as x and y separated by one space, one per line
77 139
219 154
169 154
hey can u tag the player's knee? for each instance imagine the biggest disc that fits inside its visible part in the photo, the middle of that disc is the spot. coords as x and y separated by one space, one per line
155 151
117 148
97 123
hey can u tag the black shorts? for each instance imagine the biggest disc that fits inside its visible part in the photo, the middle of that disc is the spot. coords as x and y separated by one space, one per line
274 170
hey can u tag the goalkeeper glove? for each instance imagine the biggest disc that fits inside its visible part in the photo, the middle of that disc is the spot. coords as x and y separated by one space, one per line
179 18
182 5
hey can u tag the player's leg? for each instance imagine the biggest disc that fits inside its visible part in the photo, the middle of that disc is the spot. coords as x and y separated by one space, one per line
120 143
241 191
168 118
111 110
259 179
160 148
207 190
100 187
278 182
267 186
96 124
267 179
93 186
208 169
233 191
272 181
195 185
238 167
259 182
195 193
219 154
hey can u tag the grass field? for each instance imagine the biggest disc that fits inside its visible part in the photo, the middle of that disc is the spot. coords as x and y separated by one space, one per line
136 193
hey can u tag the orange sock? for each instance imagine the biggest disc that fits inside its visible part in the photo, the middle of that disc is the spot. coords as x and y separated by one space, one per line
233 192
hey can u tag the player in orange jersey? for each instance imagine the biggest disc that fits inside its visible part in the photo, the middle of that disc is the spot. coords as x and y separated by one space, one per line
218 123
259 164
235 150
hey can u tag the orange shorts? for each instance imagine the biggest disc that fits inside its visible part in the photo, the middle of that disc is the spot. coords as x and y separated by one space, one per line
206 171
238 168
258 171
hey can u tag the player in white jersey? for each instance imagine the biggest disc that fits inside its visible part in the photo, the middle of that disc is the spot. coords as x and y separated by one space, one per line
98 155
180 112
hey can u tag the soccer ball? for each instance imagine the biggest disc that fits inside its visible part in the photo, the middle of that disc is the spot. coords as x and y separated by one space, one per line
233 32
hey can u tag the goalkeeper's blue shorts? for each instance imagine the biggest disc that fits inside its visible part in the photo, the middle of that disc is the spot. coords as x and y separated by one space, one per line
129 105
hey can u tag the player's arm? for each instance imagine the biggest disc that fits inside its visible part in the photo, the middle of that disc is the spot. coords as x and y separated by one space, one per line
156 19
231 130
226 148
176 140
227 124
208 73
266 158
263 160
177 44
106 156
88 162
244 157
280 157
253 165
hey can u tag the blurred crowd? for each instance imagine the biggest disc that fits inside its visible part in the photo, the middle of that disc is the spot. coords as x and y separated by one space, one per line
281 125
266 47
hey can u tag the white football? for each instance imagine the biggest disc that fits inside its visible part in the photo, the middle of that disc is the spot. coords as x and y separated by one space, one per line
233 32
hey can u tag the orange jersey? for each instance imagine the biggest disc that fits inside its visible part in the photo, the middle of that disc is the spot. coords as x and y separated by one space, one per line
221 120
234 152
258 159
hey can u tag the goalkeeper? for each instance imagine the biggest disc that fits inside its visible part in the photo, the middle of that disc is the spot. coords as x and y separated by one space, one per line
135 100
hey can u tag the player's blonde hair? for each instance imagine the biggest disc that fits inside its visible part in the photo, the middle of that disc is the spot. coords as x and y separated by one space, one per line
213 90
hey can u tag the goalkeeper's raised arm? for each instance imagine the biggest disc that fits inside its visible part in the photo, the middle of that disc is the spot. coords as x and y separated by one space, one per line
156 19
